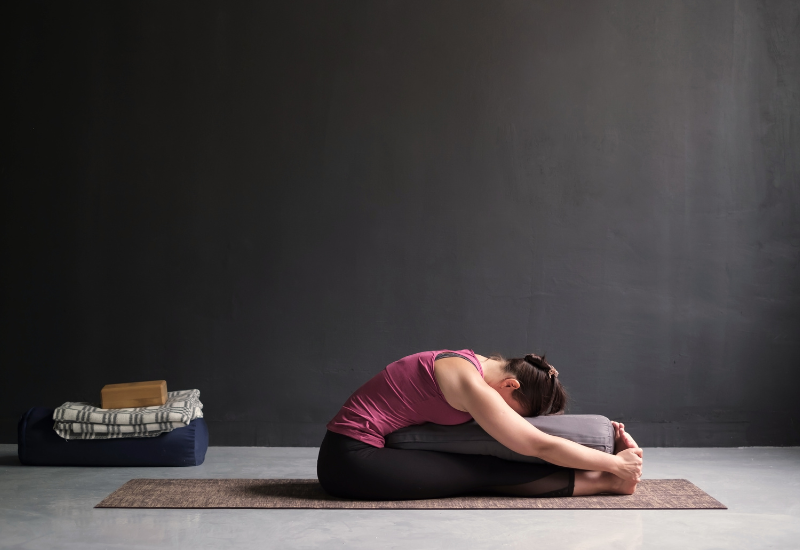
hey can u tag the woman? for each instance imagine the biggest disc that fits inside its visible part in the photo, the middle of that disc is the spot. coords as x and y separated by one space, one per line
451 387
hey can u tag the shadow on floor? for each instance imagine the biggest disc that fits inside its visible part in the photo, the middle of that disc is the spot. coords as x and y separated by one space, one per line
9 460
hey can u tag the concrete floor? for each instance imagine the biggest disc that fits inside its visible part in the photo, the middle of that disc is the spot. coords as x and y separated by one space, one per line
52 508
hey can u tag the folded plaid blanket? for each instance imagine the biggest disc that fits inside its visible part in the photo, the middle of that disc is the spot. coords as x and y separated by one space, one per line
88 421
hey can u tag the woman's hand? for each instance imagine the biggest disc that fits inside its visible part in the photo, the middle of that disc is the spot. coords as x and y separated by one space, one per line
629 464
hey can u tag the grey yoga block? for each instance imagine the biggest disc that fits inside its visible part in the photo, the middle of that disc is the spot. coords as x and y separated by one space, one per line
469 438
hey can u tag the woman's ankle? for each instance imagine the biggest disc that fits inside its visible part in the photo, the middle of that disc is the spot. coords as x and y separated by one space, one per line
593 483
589 482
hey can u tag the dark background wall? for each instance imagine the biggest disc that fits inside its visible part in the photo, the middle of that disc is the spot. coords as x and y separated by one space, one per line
272 201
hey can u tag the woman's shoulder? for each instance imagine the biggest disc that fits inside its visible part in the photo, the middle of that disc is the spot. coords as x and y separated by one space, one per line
461 353
466 356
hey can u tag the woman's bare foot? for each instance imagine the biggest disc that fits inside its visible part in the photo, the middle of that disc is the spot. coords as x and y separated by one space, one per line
595 483
621 487
622 439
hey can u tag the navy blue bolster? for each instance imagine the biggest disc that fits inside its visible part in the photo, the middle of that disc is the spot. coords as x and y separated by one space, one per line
39 445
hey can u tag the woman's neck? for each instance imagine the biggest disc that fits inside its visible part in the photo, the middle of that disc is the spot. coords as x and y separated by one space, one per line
493 370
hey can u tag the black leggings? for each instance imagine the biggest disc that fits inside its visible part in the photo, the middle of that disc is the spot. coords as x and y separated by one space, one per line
348 468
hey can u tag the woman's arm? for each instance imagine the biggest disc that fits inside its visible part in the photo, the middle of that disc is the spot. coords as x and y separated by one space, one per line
464 388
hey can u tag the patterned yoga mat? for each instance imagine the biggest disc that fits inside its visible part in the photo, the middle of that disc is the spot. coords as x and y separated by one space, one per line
656 494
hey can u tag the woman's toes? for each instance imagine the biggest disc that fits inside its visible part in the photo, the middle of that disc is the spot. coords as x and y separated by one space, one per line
623 441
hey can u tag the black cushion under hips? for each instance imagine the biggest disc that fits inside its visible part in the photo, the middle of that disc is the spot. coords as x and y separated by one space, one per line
469 438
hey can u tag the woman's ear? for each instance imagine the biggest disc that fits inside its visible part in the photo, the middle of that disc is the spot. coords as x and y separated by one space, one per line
511 383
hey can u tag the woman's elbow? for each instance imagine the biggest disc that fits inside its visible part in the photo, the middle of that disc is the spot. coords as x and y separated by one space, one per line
541 447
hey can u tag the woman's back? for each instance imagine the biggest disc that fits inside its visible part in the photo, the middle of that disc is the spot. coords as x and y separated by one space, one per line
403 394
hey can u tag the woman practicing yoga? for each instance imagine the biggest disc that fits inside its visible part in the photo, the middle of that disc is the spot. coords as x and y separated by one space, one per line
451 387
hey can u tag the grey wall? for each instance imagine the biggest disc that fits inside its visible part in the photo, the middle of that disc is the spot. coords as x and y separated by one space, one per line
272 201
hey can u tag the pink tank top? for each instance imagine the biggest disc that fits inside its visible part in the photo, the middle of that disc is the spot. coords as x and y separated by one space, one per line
403 394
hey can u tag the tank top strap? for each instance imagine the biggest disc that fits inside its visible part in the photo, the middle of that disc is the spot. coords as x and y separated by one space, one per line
475 362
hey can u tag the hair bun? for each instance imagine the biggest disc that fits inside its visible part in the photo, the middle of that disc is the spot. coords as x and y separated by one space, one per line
541 363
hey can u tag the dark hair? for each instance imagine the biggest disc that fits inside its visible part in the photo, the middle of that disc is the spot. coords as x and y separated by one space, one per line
540 392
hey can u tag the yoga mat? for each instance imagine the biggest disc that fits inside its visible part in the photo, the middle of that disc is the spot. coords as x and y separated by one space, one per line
656 494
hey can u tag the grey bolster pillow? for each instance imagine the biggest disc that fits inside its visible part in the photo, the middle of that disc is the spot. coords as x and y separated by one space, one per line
590 430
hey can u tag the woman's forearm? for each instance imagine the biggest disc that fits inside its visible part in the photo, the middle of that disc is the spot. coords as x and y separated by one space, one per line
563 452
